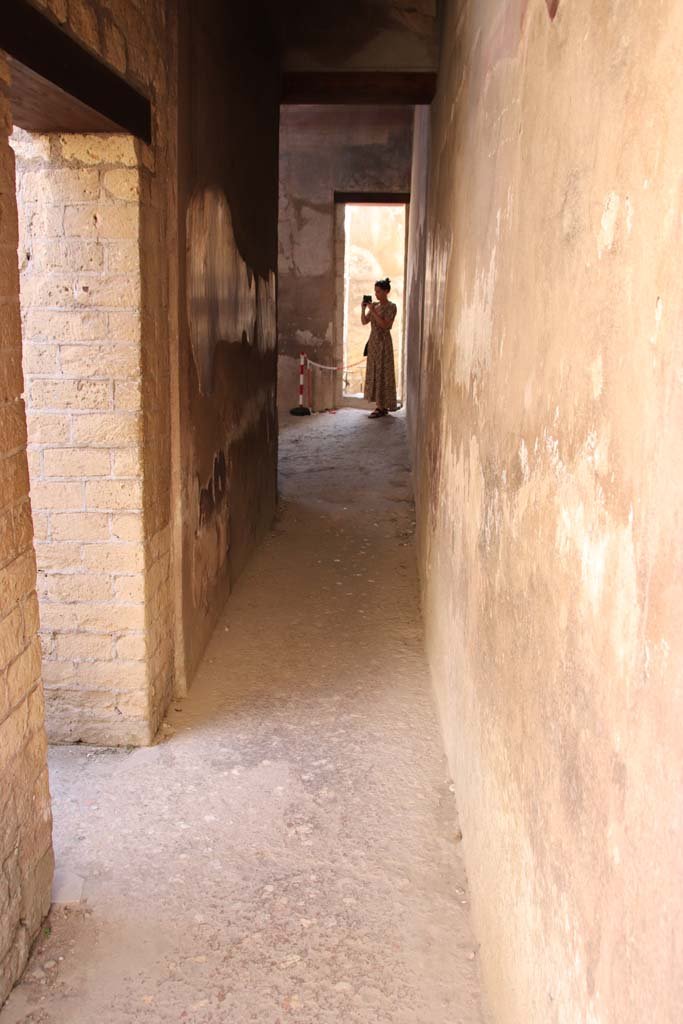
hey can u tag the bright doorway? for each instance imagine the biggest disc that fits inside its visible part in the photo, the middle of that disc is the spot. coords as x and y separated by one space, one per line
374 248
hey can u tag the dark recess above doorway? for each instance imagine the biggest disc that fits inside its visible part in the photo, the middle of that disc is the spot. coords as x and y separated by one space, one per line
359 87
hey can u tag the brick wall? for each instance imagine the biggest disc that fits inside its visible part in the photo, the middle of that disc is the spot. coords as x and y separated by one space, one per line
125 512
25 822
79 254
128 256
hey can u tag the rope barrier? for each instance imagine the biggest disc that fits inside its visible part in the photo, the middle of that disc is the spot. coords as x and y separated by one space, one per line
321 366
305 364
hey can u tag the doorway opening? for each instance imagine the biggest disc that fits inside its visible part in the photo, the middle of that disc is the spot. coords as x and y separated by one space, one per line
374 247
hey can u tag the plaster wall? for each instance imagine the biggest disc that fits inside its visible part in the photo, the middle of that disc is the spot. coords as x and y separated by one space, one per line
415 273
26 860
550 495
229 113
323 150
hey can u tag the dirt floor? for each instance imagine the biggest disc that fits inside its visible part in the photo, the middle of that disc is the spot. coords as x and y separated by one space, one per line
290 850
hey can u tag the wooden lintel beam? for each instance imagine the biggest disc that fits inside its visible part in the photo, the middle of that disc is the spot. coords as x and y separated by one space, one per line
57 85
359 87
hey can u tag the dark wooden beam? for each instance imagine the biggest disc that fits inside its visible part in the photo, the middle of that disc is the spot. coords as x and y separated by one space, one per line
57 85
359 87
41 106
373 198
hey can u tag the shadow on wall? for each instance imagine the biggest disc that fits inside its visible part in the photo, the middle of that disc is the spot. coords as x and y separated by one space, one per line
226 301
212 536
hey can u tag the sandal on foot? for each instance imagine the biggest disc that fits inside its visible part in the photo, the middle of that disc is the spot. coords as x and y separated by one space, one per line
376 414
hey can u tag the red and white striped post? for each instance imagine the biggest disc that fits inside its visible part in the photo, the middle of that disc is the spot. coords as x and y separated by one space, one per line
302 375
301 409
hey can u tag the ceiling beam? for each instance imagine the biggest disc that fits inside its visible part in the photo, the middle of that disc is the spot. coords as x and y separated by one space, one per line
373 198
57 85
384 88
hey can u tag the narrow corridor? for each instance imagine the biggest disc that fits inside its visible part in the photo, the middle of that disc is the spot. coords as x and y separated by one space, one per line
290 851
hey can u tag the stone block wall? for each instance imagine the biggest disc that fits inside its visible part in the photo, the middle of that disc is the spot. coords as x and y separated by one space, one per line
26 861
79 251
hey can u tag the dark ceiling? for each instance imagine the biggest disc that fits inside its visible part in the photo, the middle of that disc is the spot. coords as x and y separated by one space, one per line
332 33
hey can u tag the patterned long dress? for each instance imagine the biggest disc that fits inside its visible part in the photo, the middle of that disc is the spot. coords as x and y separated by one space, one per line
380 375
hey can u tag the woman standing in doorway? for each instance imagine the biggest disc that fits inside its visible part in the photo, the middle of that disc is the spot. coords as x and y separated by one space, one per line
380 376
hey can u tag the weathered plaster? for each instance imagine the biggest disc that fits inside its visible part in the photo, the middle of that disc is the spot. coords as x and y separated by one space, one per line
226 301
548 430
228 203
415 269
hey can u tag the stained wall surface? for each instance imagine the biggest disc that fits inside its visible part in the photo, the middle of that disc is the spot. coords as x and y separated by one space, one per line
229 110
26 859
323 150
550 495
